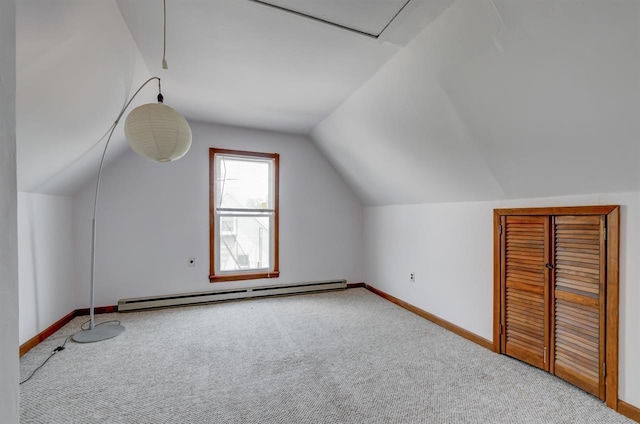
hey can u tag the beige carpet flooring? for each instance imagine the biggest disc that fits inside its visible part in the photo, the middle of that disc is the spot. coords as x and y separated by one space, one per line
339 357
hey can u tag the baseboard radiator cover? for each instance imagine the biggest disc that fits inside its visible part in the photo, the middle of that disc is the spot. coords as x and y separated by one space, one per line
155 302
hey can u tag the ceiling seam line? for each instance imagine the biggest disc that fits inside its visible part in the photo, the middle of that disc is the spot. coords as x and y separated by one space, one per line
393 19
315 18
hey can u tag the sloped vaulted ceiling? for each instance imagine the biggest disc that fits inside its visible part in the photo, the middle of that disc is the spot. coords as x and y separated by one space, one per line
234 62
498 99
457 100
75 67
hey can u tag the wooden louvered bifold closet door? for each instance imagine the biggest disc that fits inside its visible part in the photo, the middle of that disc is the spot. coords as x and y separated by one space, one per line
525 292
579 301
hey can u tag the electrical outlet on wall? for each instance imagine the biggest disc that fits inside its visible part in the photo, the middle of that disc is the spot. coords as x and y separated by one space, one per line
412 277
192 261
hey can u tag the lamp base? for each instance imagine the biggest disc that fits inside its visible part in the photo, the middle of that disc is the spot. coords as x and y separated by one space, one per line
99 333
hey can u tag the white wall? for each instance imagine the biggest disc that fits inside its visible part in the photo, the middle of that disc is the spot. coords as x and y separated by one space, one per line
152 217
45 258
8 218
450 248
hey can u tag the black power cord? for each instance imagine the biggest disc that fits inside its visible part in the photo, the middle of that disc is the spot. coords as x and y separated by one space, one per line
62 347
102 323
53 352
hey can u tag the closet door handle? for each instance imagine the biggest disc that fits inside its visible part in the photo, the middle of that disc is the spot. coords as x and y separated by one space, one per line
549 266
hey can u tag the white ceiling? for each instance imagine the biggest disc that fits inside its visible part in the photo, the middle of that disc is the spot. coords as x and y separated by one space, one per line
368 16
236 62
457 100
76 63
244 63
498 99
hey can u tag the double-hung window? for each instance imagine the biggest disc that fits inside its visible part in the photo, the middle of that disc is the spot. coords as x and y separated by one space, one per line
243 215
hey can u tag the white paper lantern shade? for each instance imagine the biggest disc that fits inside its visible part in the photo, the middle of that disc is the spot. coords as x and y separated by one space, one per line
158 132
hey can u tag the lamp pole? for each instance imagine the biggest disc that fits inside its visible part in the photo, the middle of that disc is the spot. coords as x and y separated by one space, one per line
103 332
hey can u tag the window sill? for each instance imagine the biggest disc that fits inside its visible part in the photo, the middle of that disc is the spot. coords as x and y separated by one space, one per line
240 277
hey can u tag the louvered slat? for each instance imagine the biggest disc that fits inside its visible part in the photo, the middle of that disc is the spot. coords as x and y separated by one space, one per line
525 324
577 301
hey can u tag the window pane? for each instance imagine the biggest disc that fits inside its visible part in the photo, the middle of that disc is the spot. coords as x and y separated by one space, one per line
243 183
244 201
244 243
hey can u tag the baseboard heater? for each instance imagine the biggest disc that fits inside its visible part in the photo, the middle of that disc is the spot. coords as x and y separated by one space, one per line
154 302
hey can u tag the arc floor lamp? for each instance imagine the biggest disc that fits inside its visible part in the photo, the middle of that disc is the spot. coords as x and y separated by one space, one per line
154 131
